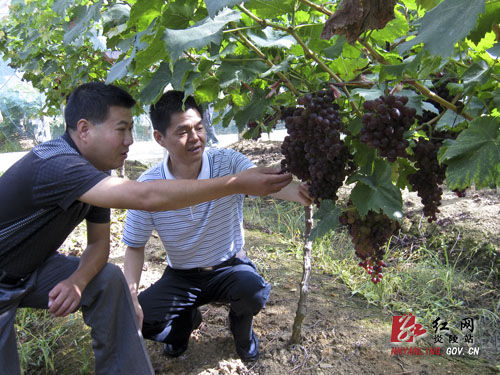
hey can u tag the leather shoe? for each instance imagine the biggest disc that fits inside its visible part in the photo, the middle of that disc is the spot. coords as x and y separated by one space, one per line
250 351
171 350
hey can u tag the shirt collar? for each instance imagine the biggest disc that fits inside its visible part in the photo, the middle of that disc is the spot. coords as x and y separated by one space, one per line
204 172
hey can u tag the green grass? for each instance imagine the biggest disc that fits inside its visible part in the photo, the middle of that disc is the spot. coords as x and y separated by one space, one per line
48 345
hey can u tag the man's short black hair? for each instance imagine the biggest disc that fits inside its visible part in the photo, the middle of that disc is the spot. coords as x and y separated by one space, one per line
91 101
170 103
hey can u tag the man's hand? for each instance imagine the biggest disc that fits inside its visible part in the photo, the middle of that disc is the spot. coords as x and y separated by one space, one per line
303 194
261 181
138 311
64 298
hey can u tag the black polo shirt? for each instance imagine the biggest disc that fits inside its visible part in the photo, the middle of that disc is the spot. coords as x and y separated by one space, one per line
39 206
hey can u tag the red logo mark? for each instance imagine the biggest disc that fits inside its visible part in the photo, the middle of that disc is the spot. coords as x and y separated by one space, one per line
404 328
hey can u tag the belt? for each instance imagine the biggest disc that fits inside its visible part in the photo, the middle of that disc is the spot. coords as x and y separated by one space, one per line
226 263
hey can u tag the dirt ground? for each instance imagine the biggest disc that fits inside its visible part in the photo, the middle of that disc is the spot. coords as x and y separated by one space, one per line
342 333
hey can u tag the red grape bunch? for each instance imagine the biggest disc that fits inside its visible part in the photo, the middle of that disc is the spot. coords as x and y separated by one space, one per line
313 149
369 234
384 124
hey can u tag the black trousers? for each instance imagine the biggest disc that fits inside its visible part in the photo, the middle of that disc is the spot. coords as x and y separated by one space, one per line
169 304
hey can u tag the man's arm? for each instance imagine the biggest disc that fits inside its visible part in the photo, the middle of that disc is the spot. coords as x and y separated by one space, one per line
134 260
64 298
294 192
114 192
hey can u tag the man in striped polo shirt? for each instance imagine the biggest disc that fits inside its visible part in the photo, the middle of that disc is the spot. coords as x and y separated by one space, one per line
204 243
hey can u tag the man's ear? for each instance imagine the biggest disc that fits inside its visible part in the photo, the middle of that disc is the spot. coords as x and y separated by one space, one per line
159 138
83 127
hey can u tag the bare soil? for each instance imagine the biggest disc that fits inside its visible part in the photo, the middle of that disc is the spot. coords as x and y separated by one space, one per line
342 333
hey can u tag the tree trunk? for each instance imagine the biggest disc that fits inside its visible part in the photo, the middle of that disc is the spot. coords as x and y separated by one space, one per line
304 284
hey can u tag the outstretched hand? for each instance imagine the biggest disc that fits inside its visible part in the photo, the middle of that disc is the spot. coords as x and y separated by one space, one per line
261 181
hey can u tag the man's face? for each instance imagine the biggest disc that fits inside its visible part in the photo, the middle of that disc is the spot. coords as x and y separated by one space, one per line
185 138
109 141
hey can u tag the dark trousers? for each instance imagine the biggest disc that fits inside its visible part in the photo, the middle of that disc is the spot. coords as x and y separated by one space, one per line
106 307
169 304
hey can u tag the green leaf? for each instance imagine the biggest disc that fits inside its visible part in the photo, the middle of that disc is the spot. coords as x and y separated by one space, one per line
119 70
428 4
409 66
252 111
486 21
450 119
208 90
474 157
327 219
143 12
375 191
181 68
200 35
214 6
157 83
60 6
84 17
477 74
155 51
445 25
271 8
336 49
271 38
238 69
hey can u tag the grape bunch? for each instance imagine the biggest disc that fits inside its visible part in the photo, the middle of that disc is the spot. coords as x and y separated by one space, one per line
369 234
429 175
313 150
384 124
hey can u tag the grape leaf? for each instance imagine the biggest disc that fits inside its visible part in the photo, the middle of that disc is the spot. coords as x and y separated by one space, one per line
474 157
375 191
200 35
155 87
445 25
486 21
144 12
84 16
271 38
327 219
214 6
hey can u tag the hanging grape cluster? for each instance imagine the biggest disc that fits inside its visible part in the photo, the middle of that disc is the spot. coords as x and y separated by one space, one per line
428 177
384 124
313 150
369 234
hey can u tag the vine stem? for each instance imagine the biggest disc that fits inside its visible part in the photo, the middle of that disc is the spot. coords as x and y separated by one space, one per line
421 88
304 284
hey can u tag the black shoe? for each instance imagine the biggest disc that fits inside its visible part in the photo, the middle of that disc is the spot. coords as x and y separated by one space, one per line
171 350
250 351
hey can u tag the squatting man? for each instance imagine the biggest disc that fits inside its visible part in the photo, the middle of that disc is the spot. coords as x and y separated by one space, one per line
204 243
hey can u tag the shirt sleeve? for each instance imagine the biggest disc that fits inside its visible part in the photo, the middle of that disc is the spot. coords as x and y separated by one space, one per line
99 215
62 180
138 228
239 162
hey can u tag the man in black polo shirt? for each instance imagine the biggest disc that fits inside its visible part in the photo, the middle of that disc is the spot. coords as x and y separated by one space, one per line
46 194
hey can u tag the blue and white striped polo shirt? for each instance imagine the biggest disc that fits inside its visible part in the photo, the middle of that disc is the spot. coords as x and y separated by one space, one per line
198 236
